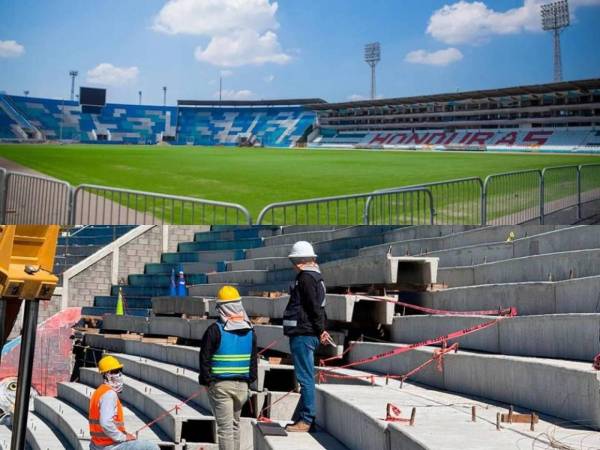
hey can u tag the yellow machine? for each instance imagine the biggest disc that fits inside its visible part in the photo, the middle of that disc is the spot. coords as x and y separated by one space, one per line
26 260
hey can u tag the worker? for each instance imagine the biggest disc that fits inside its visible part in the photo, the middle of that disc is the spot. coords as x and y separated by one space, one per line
107 424
228 365
304 324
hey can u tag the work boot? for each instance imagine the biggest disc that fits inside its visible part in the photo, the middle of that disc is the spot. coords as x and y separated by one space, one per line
300 427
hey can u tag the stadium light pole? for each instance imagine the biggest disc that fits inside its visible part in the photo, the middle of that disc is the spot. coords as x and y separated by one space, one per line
372 58
555 18
140 95
73 74
26 93
164 96
220 88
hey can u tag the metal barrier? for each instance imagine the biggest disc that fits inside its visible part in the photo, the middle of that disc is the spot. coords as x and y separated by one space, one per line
588 185
559 189
512 197
35 200
410 206
455 201
100 205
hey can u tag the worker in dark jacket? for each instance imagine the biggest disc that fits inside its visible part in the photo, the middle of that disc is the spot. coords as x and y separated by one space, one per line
304 323
228 365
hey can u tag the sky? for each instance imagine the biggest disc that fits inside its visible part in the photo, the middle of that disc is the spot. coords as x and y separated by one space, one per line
265 49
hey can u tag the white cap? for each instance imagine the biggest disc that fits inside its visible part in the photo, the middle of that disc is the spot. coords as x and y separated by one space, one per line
302 249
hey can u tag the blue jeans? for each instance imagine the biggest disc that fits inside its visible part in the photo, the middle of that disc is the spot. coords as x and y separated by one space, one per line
303 357
129 445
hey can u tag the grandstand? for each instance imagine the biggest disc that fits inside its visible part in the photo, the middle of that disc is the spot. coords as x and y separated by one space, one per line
555 117
274 124
523 381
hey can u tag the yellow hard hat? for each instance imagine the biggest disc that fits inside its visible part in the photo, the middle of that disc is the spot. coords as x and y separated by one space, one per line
108 363
228 294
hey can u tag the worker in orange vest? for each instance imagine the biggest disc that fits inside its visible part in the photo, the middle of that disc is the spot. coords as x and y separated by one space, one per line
107 423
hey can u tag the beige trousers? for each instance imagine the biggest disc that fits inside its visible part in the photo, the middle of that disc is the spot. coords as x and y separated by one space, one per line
227 399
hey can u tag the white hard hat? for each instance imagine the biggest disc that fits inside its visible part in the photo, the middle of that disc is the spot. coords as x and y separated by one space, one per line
302 249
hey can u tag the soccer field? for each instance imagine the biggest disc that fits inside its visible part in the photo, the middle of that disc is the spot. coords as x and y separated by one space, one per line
257 177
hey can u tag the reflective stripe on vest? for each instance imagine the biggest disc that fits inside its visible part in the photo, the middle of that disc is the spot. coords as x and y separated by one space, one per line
232 358
97 434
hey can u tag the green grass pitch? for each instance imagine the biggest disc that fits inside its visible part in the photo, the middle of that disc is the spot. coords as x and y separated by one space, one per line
257 177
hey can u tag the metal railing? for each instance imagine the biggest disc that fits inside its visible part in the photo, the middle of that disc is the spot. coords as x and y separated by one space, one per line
410 206
35 200
512 197
103 205
504 198
456 201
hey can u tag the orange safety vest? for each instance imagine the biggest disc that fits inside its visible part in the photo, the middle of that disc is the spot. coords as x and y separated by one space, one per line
99 438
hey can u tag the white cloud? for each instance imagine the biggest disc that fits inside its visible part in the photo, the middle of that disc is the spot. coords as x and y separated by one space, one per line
269 78
474 22
242 48
11 49
356 97
438 58
229 94
214 17
240 31
109 75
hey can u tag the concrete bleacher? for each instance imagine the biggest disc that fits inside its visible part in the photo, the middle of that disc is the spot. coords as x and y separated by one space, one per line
537 362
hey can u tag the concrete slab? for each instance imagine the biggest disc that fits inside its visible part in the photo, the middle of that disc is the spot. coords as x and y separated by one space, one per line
520 381
5 437
69 421
578 295
547 267
194 306
271 263
380 270
272 336
296 441
239 277
559 336
187 423
78 395
436 418
133 324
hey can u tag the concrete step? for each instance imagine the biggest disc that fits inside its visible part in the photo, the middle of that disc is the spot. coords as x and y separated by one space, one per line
70 422
193 306
188 267
109 301
548 267
158 280
442 420
421 232
253 277
5 437
42 435
239 244
564 239
140 291
270 376
559 336
212 289
100 311
273 334
471 237
516 380
214 256
273 263
236 234
579 295
186 424
319 440
78 395
315 236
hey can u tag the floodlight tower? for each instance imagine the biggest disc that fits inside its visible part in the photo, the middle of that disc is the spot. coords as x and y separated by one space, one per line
140 96
372 58
164 96
555 18
73 74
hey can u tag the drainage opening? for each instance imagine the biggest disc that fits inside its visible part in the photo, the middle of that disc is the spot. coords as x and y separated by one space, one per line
279 380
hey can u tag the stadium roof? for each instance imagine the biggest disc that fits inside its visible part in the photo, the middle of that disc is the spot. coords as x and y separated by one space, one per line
581 85
284 102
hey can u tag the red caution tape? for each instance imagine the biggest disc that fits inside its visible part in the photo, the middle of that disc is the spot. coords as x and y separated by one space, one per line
512 311
434 341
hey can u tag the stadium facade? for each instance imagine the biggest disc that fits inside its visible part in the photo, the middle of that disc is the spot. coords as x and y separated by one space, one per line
556 117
